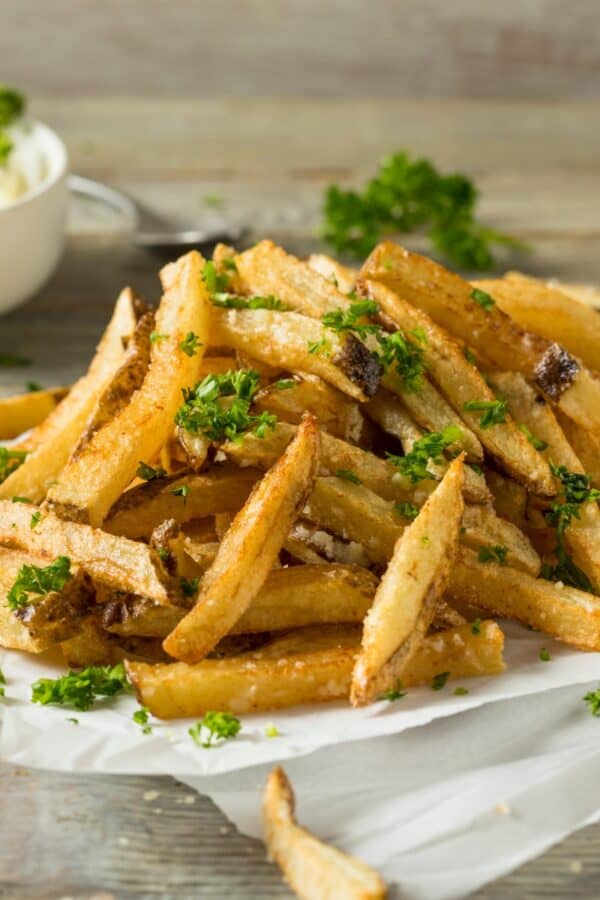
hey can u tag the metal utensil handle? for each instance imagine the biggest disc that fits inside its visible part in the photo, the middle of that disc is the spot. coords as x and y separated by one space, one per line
121 203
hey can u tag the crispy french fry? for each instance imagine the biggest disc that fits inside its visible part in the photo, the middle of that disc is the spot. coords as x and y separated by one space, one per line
547 310
342 277
509 497
314 870
310 672
461 382
24 411
585 443
566 613
110 560
584 293
290 598
483 528
142 508
448 299
285 339
249 549
56 436
92 481
407 598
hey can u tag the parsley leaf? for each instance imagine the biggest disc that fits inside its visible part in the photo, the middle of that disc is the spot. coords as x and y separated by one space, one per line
285 384
156 336
496 554
347 475
190 344
460 692
576 490
429 447
321 347
80 689
38 581
140 717
545 655
232 301
2 683
182 491
395 693
219 407
494 411
476 626
401 350
408 195
149 473
482 299
17 499
11 361
592 698
536 442
216 282
33 387
189 586
10 460
438 681
408 510
271 731
6 148
350 319
213 727
36 518
12 105
470 356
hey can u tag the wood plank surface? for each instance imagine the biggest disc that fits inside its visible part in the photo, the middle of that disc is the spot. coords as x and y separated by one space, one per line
538 167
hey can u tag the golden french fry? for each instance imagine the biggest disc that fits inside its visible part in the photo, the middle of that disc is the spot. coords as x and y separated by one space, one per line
407 598
342 277
142 508
314 870
92 481
585 443
57 435
311 670
509 497
449 300
548 310
462 383
296 343
566 613
249 549
24 411
483 528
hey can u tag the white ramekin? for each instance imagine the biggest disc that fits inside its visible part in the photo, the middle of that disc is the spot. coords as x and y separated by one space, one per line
33 228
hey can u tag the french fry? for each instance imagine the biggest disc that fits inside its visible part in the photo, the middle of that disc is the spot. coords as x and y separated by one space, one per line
448 299
483 528
56 436
24 411
285 339
586 445
142 508
583 293
407 598
547 310
314 870
290 598
249 549
92 481
566 613
342 277
509 497
108 559
461 383
255 682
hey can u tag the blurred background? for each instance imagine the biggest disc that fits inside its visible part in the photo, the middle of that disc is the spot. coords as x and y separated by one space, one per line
249 110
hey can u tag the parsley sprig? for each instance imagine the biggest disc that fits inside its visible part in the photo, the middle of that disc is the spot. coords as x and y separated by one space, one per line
214 727
592 698
233 301
496 554
428 448
140 717
12 106
536 442
80 689
219 407
10 460
408 195
190 344
352 318
149 473
576 490
39 581
494 411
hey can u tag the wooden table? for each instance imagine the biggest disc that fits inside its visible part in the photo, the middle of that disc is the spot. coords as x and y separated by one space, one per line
537 164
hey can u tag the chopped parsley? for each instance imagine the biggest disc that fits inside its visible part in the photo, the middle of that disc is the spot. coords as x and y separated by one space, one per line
348 475
17 499
189 586
350 319
545 655
182 491
400 351
429 447
216 282
460 692
271 731
6 147
10 460
156 336
576 490
470 356
12 105
35 520
592 698
214 727
536 442
425 540
476 626
494 411
33 387
163 553
408 195
321 347
496 553
140 717
72 720
219 407
285 384
149 473
395 693
39 581
2 683
482 299
438 681
12 361
408 510
225 300
190 344
80 689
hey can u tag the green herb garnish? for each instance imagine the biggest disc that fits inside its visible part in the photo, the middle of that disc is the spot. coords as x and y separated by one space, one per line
39 581
470 356
140 717
80 689
190 344
12 361
347 475
400 352
216 282
545 655
20 500
536 442
182 491
592 698
271 731
215 726
36 518
6 148
189 586
460 692
33 387
496 554
576 490
429 447
351 319
12 105
408 510
2 683
321 347
232 301
10 460
156 337
395 693
438 681
494 411
219 407
482 299
408 195
476 626
149 473
284 384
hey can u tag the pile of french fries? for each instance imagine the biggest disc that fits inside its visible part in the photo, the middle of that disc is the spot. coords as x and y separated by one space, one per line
291 557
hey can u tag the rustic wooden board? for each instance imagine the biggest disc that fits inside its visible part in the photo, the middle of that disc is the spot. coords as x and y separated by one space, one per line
538 166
